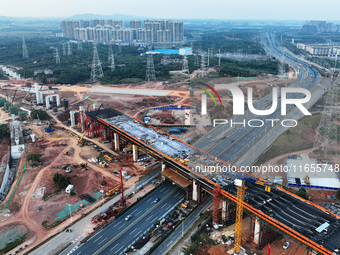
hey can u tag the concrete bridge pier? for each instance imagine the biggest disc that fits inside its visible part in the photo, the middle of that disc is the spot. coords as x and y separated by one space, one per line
116 139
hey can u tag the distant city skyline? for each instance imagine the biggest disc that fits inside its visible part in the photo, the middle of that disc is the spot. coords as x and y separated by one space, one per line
177 9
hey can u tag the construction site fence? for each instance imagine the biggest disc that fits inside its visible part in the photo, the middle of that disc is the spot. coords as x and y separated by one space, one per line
15 187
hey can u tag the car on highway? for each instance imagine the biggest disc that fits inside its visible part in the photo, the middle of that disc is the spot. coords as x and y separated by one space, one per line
286 245
128 217
156 200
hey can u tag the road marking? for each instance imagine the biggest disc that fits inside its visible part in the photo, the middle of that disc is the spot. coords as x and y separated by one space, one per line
102 241
133 231
139 212
149 199
119 249
162 189
138 233
149 217
177 194
121 226
134 211
163 205
98 238
78 253
114 247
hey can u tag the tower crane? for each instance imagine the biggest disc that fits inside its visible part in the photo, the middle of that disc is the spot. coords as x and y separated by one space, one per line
241 190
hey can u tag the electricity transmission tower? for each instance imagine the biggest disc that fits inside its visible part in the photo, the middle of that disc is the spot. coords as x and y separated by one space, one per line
64 50
24 49
282 70
327 137
185 67
96 70
196 63
69 51
110 53
203 71
56 55
80 47
113 66
150 68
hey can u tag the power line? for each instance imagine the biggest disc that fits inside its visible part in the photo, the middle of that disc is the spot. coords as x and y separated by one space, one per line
96 70
69 51
113 66
56 55
110 53
80 46
150 68
24 49
327 137
185 67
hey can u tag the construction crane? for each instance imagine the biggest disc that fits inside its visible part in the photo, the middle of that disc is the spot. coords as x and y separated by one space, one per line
80 141
241 190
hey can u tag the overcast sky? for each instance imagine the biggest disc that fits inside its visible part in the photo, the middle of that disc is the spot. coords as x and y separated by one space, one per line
181 9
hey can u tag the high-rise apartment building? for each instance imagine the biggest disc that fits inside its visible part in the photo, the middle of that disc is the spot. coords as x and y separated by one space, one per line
100 30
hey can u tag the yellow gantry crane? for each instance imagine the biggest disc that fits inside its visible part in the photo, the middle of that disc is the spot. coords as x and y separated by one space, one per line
241 190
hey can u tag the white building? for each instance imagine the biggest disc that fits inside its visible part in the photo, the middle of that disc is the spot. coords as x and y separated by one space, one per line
185 51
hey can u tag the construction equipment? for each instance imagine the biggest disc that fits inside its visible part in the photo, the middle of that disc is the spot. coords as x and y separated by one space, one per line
82 164
103 164
108 158
241 189
307 180
111 191
80 141
67 153
68 170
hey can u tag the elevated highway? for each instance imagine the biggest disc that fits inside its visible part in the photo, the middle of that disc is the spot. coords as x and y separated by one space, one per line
284 212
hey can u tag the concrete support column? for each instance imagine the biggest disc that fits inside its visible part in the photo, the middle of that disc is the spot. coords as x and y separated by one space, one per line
163 167
116 138
82 119
105 134
204 104
194 191
257 230
224 210
134 152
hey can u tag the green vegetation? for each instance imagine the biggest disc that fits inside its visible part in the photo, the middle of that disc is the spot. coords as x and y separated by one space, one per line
43 115
198 240
4 131
61 181
34 159
291 140
53 225
302 193
246 42
10 246
130 65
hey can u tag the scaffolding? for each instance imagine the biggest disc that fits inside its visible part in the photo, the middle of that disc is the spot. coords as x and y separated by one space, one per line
216 204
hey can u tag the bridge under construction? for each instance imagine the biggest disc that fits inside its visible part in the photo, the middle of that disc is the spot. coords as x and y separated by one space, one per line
272 213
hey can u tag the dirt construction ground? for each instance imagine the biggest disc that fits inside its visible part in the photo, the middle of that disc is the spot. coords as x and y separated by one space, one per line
36 198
